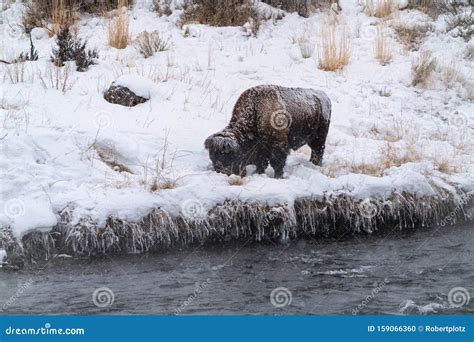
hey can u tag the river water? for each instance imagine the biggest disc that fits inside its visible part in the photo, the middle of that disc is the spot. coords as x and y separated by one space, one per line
391 273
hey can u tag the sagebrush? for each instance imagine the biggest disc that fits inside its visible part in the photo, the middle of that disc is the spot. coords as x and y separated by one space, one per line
71 48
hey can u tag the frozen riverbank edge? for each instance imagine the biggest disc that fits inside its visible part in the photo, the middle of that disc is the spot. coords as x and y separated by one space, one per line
159 230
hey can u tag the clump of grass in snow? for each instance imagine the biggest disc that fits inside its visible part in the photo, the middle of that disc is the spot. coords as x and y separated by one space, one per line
333 48
118 29
422 68
305 43
379 9
383 52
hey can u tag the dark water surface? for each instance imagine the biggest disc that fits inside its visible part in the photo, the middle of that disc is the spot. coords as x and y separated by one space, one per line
392 273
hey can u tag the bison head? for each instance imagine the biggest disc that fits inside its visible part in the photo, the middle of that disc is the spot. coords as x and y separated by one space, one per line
225 152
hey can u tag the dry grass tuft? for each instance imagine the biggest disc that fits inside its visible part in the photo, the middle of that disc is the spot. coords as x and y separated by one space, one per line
445 165
148 43
164 184
469 54
57 78
392 156
422 68
379 9
383 52
305 43
236 180
334 48
450 75
118 29
15 72
60 13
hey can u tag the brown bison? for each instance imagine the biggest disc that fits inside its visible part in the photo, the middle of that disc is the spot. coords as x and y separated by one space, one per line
268 121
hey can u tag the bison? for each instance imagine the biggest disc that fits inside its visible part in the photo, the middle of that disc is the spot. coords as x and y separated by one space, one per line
267 122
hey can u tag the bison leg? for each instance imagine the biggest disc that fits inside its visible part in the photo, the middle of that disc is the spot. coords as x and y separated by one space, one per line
261 166
318 144
262 161
278 160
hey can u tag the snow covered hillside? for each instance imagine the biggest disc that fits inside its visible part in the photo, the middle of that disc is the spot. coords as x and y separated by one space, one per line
94 171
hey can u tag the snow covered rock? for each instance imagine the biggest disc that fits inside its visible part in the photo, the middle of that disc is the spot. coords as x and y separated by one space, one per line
123 96
129 90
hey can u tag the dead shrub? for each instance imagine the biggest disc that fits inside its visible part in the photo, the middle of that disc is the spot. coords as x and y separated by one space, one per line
221 13
60 13
333 48
148 43
302 7
162 7
422 68
412 36
461 23
430 7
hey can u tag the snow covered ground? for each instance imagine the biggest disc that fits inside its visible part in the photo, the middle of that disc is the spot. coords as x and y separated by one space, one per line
59 149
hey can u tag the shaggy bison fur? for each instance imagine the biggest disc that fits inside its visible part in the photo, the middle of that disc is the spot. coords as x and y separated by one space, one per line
267 122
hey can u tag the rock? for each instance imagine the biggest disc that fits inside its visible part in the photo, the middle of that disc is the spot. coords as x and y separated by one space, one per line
122 95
